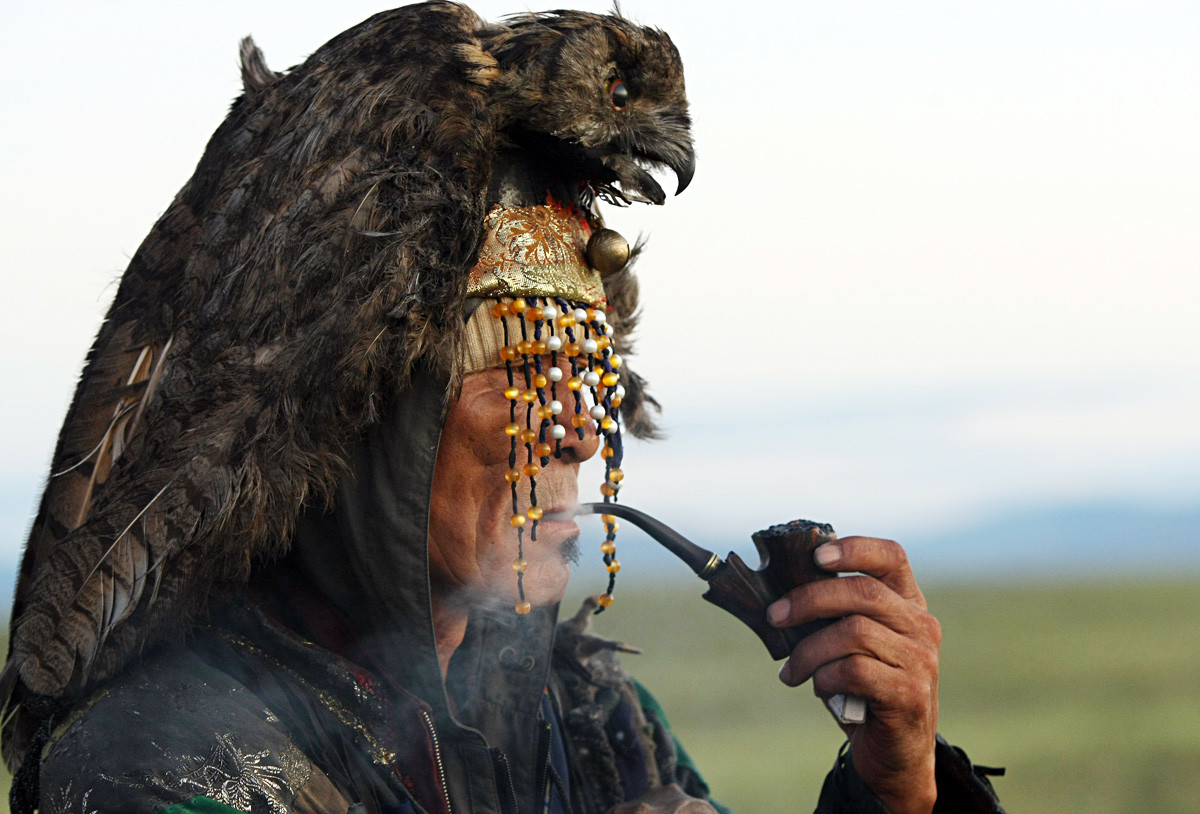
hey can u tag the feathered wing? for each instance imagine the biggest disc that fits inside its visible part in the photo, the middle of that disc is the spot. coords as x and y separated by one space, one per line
317 251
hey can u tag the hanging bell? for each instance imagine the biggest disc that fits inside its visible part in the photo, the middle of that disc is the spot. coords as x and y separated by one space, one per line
607 252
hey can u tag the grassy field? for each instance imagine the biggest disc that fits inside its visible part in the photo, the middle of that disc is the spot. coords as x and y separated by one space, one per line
1088 694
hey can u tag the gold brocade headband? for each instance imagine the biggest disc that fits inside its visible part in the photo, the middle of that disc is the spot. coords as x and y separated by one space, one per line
539 274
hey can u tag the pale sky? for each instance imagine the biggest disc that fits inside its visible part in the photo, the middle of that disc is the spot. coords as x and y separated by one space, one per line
937 258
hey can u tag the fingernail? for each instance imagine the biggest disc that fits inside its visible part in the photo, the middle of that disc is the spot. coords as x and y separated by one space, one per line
785 674
778 612
828 555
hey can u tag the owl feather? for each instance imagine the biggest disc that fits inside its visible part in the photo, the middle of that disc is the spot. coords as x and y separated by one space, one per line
319 251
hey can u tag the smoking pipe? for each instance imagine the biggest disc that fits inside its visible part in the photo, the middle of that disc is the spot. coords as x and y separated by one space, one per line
787 561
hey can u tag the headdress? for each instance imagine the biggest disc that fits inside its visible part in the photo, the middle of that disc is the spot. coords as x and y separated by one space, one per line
542 314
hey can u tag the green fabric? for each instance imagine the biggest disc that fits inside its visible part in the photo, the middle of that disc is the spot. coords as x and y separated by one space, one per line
199 805
682 758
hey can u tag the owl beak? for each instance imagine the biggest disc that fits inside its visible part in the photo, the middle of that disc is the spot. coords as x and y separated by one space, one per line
684 170
637 182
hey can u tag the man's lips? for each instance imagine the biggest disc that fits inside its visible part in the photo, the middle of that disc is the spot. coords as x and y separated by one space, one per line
558 521
559 516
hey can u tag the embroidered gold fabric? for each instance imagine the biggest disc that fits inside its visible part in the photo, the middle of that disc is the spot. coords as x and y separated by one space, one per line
535 251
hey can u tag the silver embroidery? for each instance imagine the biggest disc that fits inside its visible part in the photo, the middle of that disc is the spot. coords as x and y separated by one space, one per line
247 781
238 778
60 801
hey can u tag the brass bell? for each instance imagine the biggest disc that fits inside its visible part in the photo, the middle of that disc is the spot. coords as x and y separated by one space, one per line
607 252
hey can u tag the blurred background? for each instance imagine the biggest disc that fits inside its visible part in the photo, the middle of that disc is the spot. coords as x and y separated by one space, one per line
935 279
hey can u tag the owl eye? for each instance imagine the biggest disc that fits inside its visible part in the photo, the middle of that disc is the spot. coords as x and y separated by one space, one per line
618 94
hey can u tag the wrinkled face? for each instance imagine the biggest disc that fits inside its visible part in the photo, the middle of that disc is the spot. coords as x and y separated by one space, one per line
472 544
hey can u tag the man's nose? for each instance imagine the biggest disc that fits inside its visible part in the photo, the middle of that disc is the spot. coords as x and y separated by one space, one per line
574 447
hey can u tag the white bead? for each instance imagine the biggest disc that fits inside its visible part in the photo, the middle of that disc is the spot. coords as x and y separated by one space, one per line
589 346
549 312
608 329
591 378
599 316
554 343
620 391
558 432
580 315
554 374
556 407
597 412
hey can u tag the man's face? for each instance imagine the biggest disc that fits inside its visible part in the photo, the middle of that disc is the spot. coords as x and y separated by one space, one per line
472 544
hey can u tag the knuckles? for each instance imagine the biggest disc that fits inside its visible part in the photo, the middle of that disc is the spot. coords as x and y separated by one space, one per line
870 591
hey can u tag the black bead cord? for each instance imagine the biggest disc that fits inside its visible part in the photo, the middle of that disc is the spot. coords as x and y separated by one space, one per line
528 444
512 461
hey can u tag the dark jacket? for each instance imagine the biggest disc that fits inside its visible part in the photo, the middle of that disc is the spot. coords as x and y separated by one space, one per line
319 689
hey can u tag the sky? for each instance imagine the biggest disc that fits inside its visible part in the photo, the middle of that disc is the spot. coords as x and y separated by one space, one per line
939 259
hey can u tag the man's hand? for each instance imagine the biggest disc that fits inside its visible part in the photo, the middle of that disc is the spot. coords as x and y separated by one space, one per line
884 649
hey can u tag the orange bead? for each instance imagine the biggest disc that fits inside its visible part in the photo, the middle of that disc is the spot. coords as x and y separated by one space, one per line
615 361
616 475
607 490
571 349
540 380
512 475
523 608
609 379
512 393
543 450
524 347
530 395
604 600
608 547
528 436
519 565
608 519
530 470
573 383
535 313
518 306
511 428
607 452
607 423
602 342
517 520
613 567
500 309
544 411
616 402
566 320
508 353
580 419
535 512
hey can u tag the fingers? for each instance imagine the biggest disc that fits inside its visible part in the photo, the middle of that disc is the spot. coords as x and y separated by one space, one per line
859 655
835 598
883 559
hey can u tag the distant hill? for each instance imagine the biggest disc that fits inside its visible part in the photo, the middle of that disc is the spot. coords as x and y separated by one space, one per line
1065 541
